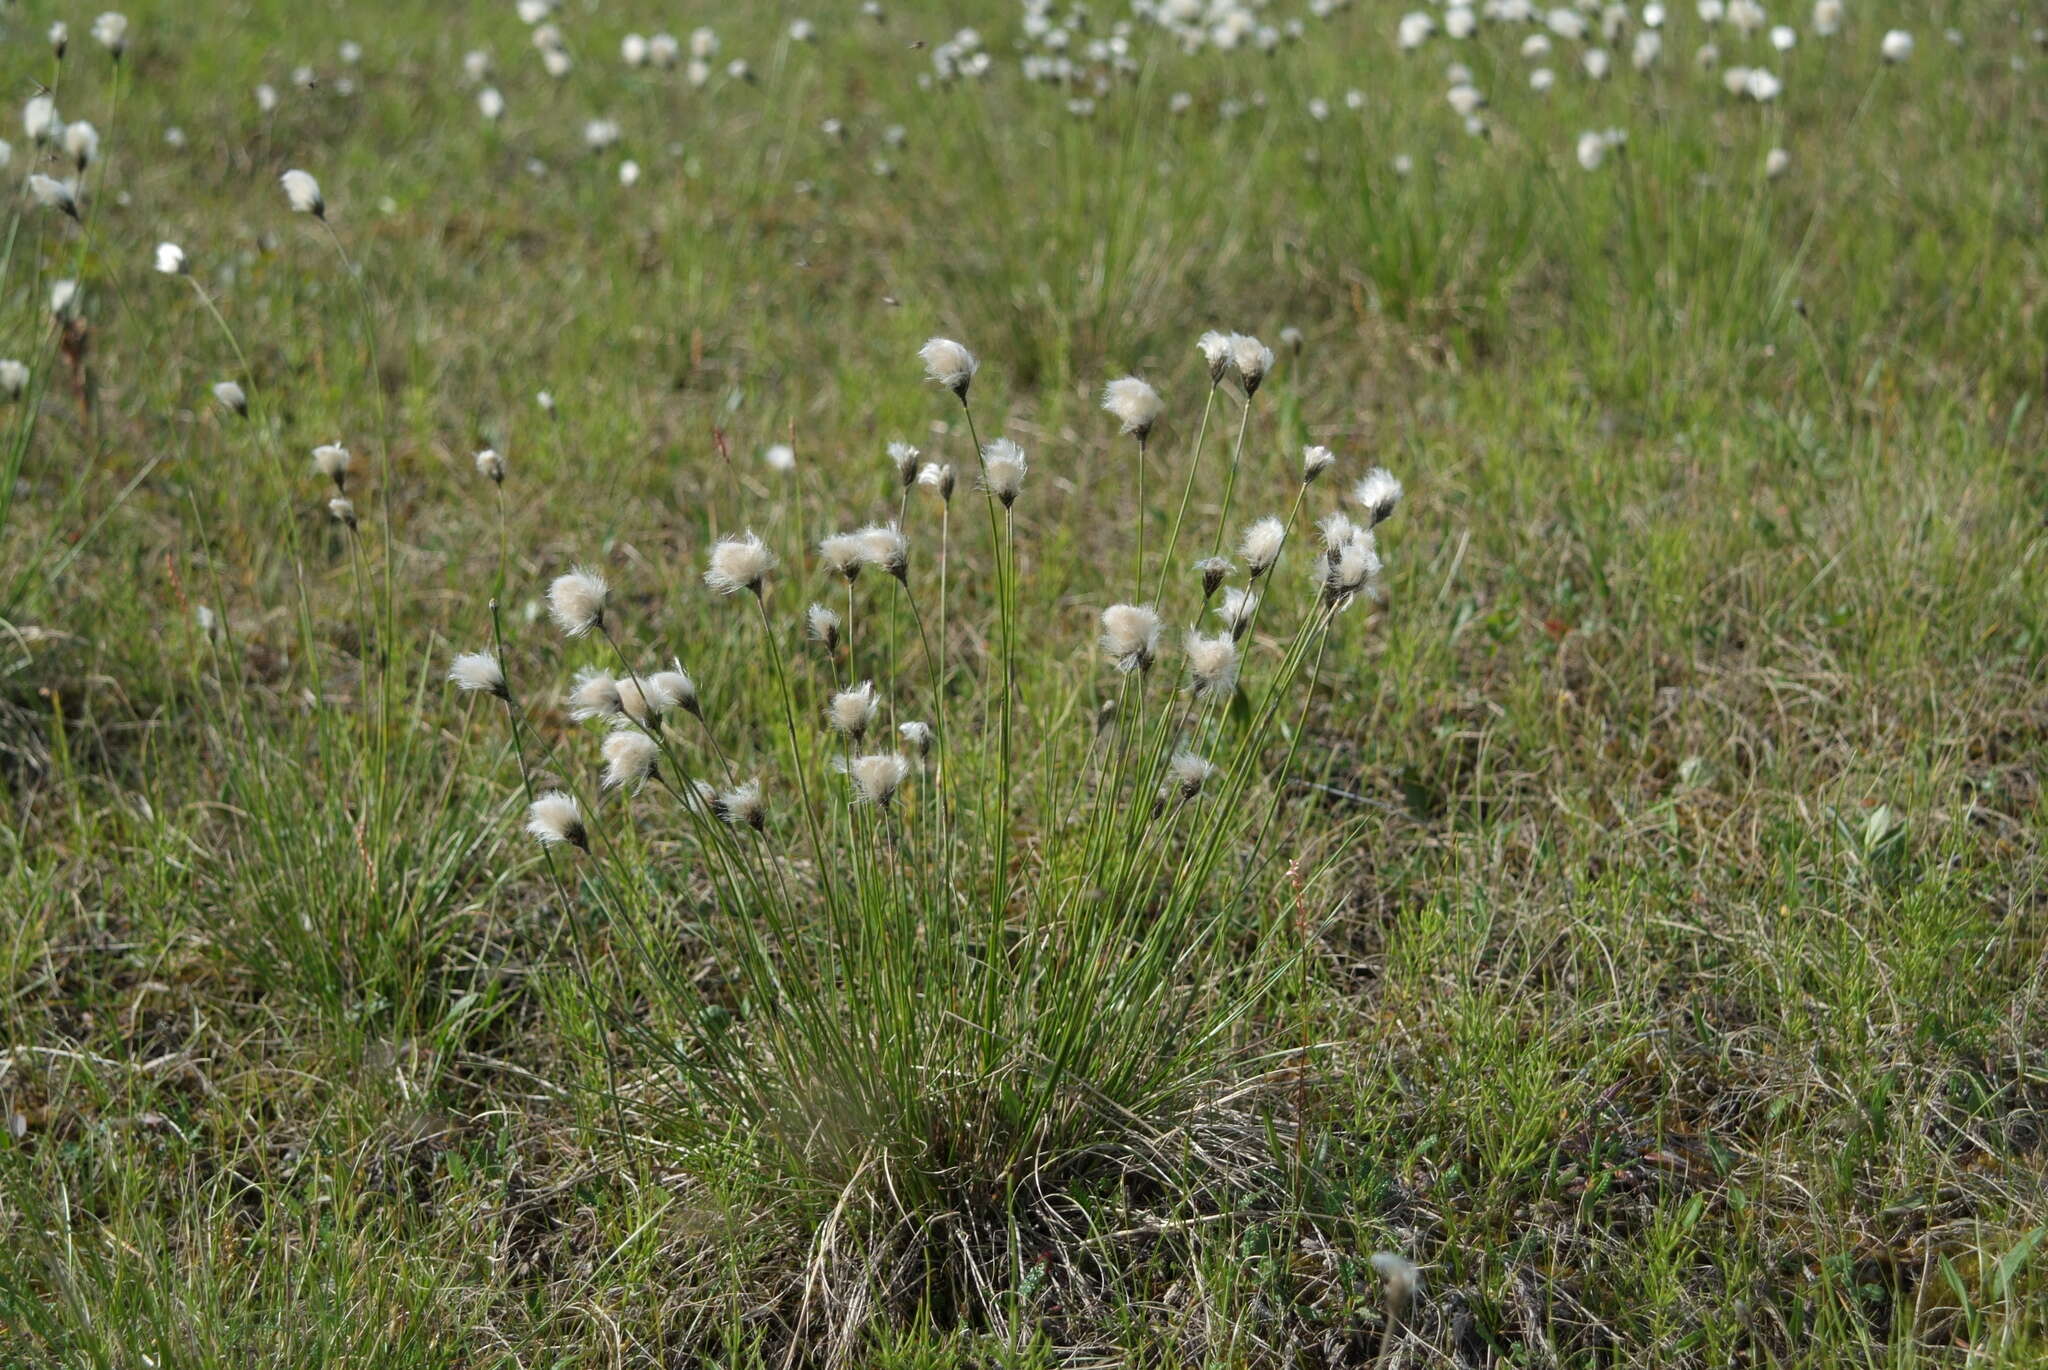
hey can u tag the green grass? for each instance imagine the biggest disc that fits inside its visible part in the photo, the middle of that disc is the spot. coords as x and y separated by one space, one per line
1648 941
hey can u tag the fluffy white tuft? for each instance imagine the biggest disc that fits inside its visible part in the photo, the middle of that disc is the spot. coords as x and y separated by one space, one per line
1134 404
877 777
1130 636
853 709
950 364
302 192
1379 492
1252 359
739 562
479 673
1212 665
1260 546
576 600
1215 350
629 757
1003 468
554 819
1315 461
595 694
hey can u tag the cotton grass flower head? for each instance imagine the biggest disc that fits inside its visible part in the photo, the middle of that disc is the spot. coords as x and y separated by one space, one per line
232 396
852 710
780 458
14 376
576 600
595 693
1827 17
479 673
1130 636
742 806
171 260
1134 404
1379 493
1237 610
110 31
1401 1276
884 546
1186 774
1347 569
490 103
917 736
1212 665
641 702
490 466
1251 359
81 144
877 777
672 689
60 38
343 511
950 364
52 193
1776 163
1215 350
629 757
937 476
823 626
739 562
302 193
67 298
1212 570
554 820
904 457
1003 468
843 554
1314 461
40 121
1897 46
1260 546
335 462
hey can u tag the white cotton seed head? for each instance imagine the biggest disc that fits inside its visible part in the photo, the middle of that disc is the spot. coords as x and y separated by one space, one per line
950 364
884 546
1315 461
595 694
1337 529
1402 1278
904 457
673 689
478 673
742 807
938 476
917 736
302 192
343 511
1237 610
1346 571
1379 493
554 819
1897 46
52 193
1212 570
14 377
629 757
232 397
1260 546
335 462
1212 665
491 466
40 120
877 777
780 458
60 38
110 30
1776 163
843 555
852 710
1186 774
1134 404
576 600
171 259
81 144
490 103
66 299
1215 350
1003 468
823 626
638 703
1252 359
739 562
1130 636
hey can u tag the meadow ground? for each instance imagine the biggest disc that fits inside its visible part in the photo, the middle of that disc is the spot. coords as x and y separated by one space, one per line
1627 910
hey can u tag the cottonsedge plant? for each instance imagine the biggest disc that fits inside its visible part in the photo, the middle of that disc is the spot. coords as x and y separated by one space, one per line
945 992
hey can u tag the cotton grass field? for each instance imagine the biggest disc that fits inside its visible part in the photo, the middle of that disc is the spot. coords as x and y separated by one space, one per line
1197 683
